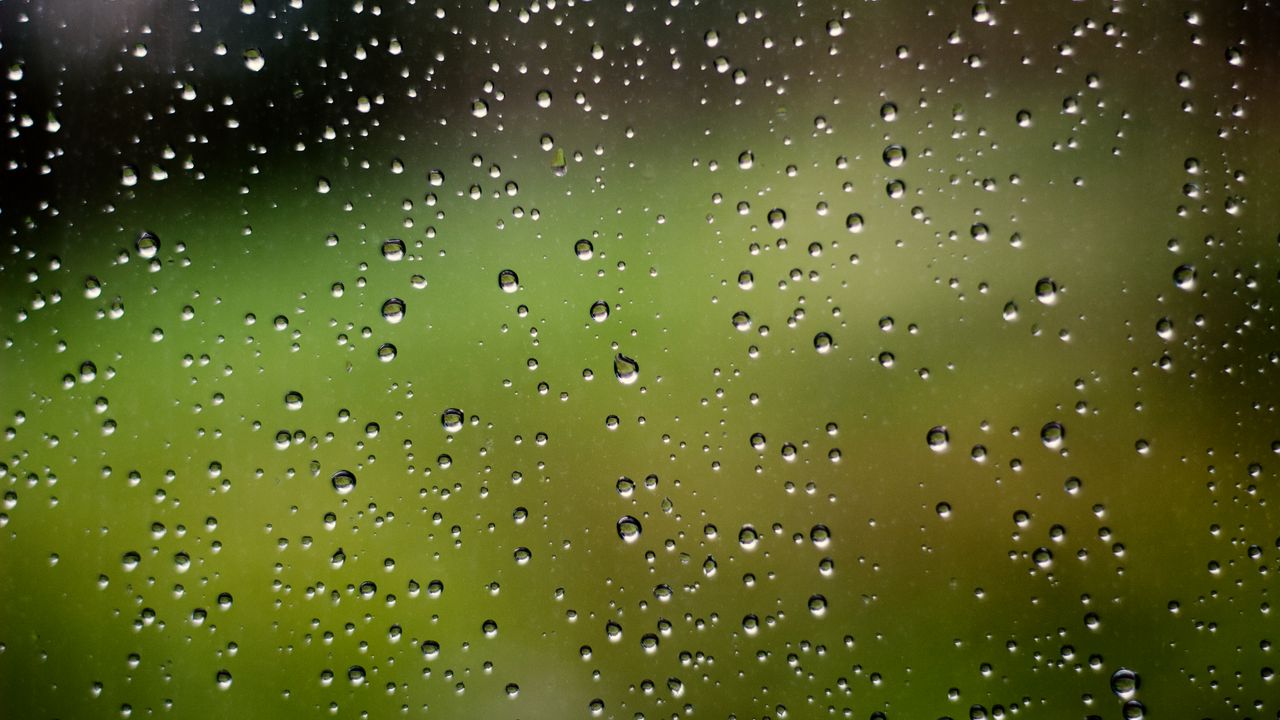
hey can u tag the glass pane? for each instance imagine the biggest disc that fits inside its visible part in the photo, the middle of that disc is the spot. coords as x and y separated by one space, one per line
562 358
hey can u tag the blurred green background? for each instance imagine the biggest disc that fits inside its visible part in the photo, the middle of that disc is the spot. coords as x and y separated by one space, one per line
1034 448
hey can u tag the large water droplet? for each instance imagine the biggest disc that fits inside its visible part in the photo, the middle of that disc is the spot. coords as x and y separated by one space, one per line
343 481
626 369
393 249
629 528
393 310
508 281
451 419
1125 683
938 438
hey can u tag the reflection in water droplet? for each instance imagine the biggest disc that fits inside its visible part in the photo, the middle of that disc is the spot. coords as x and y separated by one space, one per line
451 419
1046 291
626 369
508 281
343 481
1125 683
393 310
629 528
938 438
822 342
1185 277
817 605
894 156
1052 435
393 249
147 244
254 60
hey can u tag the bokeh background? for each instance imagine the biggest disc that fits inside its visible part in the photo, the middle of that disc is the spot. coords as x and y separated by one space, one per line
905 358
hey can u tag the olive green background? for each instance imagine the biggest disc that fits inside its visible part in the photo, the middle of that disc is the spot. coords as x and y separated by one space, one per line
272 192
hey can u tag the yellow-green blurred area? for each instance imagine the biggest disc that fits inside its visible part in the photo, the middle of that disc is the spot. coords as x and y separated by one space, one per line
556 358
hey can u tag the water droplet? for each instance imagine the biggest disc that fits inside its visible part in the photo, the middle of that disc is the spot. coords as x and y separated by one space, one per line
894 156
393 249
748 537
393 310
543 98
254 60
430 649
629 528
223 679
1046 291
584 249
854 223
757 442
479 108
386 352
451 419
599 311
820 535
293 400
1125 683
746 159
1052 435
1023 118
147 244
938 438
817 605
343 481
626 369
889 112
1185 277
822 342
746 280
1042 557
508 281
742 321
777 218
